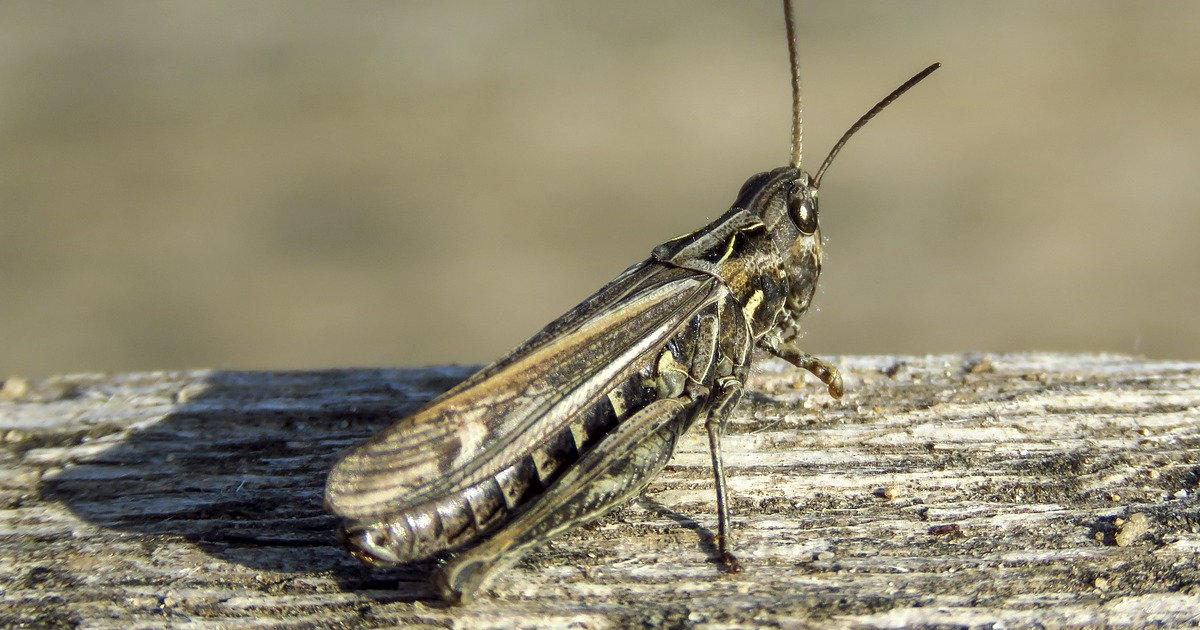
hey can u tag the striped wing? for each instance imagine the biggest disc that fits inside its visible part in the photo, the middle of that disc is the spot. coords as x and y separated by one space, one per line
501 413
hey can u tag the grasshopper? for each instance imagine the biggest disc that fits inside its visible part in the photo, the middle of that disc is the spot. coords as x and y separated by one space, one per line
581 417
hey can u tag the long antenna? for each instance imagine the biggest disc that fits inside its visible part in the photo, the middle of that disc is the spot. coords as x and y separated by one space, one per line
887 100
797 110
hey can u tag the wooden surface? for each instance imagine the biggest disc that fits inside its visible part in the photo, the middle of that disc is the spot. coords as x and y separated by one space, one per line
965 491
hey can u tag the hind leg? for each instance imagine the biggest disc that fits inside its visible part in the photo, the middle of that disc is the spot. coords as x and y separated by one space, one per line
606 476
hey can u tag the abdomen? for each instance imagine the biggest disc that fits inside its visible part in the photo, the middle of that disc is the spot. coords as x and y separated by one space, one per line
455 520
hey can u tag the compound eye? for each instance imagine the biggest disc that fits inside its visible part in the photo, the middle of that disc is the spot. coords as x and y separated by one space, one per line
804 212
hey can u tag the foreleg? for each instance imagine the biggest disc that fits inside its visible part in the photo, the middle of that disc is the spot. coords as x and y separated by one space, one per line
820 368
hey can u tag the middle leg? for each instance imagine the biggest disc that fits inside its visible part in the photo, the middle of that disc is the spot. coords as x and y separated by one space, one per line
726 396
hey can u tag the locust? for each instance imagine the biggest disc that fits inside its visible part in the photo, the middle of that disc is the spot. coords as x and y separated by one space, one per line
580 418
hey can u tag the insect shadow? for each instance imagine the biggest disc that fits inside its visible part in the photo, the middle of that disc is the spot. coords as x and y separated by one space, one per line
705 537
237 467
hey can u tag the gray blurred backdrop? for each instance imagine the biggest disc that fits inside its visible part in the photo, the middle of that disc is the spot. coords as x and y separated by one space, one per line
295 185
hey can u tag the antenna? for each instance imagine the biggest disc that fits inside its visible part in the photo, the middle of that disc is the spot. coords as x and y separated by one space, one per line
887 100
797 110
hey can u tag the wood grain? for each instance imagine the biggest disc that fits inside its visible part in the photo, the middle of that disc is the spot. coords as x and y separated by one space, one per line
959 490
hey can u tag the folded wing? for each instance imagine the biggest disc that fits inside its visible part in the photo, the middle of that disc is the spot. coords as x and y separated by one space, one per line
501 413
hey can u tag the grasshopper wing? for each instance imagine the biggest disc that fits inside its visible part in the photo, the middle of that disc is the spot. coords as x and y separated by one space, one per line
497 416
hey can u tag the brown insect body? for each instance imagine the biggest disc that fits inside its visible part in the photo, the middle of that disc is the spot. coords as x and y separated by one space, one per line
579 418
735 285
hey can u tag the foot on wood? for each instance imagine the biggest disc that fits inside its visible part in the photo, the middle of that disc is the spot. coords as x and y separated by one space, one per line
730 563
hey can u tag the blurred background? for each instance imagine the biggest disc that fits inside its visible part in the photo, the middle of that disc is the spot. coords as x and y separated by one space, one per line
300 185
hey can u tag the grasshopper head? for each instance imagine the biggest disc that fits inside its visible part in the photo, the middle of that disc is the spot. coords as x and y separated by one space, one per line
786 202
799 231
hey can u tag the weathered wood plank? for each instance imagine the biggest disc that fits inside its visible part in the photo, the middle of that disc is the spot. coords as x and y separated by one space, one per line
952 490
